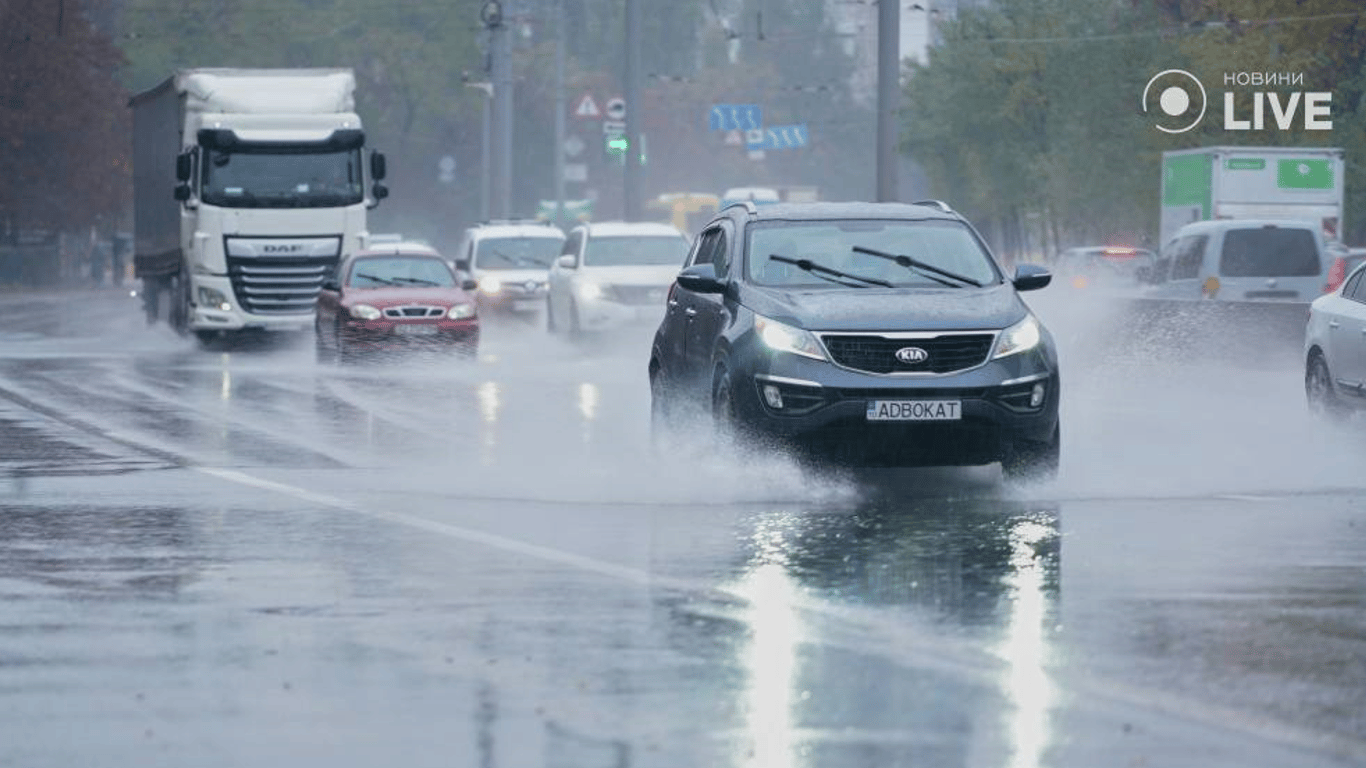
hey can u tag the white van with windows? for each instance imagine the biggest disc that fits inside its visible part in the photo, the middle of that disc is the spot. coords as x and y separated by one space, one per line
1280 260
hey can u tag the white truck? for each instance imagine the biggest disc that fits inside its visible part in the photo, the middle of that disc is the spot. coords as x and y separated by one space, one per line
249 185
1252 183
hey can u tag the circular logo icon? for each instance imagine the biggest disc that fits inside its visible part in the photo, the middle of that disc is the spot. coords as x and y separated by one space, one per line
1174 95
911 355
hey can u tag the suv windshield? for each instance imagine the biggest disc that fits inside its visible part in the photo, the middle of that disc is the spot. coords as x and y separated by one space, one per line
623 250
516 252
943 245
280 177
1269 252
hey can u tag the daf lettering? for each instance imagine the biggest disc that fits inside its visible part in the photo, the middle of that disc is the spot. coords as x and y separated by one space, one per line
293 248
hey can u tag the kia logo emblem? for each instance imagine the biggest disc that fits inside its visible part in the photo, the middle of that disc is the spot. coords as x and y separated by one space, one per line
912 355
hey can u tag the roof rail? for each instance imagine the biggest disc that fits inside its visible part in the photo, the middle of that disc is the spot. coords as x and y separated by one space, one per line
748 205
940 204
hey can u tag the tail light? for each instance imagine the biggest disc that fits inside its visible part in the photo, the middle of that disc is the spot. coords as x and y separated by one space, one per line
1336 274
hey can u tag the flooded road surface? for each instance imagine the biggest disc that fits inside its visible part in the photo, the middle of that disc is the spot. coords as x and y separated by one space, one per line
242 557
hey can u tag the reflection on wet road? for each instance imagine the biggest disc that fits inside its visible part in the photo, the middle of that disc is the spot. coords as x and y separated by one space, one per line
242 557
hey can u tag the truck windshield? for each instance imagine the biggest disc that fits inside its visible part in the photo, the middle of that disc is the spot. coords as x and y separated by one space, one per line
258 177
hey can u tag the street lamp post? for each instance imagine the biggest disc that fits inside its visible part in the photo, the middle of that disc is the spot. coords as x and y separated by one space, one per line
485 172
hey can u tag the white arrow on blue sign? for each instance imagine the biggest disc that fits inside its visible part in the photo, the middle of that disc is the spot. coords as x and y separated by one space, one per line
777 137
735 117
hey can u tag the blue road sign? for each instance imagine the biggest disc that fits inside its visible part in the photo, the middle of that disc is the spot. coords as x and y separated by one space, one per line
777 137
735 117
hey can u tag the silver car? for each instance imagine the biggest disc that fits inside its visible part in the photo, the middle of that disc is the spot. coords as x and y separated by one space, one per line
1335 349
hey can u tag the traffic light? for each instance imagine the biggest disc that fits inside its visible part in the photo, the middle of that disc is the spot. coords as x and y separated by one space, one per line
617 144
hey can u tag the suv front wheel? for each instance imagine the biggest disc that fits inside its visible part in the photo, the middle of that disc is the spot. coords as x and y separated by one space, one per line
1029 460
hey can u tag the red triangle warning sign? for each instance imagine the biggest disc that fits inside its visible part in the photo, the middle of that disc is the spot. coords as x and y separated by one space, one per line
587 108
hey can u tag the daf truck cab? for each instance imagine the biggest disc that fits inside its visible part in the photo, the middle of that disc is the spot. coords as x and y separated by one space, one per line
250 186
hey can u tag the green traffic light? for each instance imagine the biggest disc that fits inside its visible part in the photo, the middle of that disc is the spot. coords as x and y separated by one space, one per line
617 144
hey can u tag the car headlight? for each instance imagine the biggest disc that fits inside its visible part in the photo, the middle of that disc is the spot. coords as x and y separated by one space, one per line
589 291
1019 337
364 312
209 297
785 338
460 311
490 284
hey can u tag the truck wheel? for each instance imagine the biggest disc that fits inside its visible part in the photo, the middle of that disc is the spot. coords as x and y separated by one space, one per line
179 311
151 300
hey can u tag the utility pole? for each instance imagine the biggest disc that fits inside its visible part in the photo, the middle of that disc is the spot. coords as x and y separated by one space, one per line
630 187
888 96
560 107
486 156
494 16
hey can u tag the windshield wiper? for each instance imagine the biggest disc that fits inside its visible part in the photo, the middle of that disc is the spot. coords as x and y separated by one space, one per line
829 273
377 279
910 263
415 281
521 260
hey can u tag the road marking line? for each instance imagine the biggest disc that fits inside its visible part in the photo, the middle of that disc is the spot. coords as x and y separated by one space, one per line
977 666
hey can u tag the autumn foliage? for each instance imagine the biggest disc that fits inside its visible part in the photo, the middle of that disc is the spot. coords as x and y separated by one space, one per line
64 121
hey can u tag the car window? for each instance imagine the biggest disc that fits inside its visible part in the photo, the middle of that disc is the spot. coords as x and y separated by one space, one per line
712 249
571 244
1356 287
1187 255
1269 252
516 252
944 245
380 271
625 250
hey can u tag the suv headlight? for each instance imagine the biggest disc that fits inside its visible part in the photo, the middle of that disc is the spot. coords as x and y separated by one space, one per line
785 338
1019 337
490 284
590 291
364 312
460 311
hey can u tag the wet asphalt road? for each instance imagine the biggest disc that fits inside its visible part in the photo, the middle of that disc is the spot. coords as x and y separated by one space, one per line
243 558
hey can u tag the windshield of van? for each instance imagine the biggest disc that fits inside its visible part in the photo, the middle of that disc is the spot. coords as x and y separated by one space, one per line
1269 252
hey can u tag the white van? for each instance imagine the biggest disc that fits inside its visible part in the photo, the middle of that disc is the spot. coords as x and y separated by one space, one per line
1245 260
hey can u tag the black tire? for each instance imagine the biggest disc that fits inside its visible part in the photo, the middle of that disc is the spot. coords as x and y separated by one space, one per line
1319 391
1032 461
662 421
179 312
724 422
550 316
341 351
208 339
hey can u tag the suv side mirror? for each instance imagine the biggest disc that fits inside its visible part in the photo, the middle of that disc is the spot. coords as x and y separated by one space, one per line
1031 277
701 278
331 284
469 284
567 261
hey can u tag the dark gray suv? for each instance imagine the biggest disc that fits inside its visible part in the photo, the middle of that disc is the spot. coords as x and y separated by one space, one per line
865 334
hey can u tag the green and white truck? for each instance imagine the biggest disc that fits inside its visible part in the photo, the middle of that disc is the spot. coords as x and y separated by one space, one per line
1252 183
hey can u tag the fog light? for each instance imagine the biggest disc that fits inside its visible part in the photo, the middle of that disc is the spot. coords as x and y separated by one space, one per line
773 397
1036 396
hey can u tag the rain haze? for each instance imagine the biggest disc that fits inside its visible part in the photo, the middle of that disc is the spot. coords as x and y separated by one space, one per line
300 465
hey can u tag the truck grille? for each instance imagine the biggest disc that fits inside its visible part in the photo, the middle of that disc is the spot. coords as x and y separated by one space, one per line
877 354
280 275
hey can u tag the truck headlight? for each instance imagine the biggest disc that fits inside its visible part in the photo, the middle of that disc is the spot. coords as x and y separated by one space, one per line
214 299
460 311
785 338
364 312
490 284
1019 337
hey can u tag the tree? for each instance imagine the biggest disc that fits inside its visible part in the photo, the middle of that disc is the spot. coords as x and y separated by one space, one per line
63 121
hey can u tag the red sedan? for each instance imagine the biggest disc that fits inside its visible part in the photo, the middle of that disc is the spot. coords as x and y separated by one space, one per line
396 297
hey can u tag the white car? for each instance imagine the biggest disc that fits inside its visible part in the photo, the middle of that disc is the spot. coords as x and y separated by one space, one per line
612 274
509 260
1335 349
